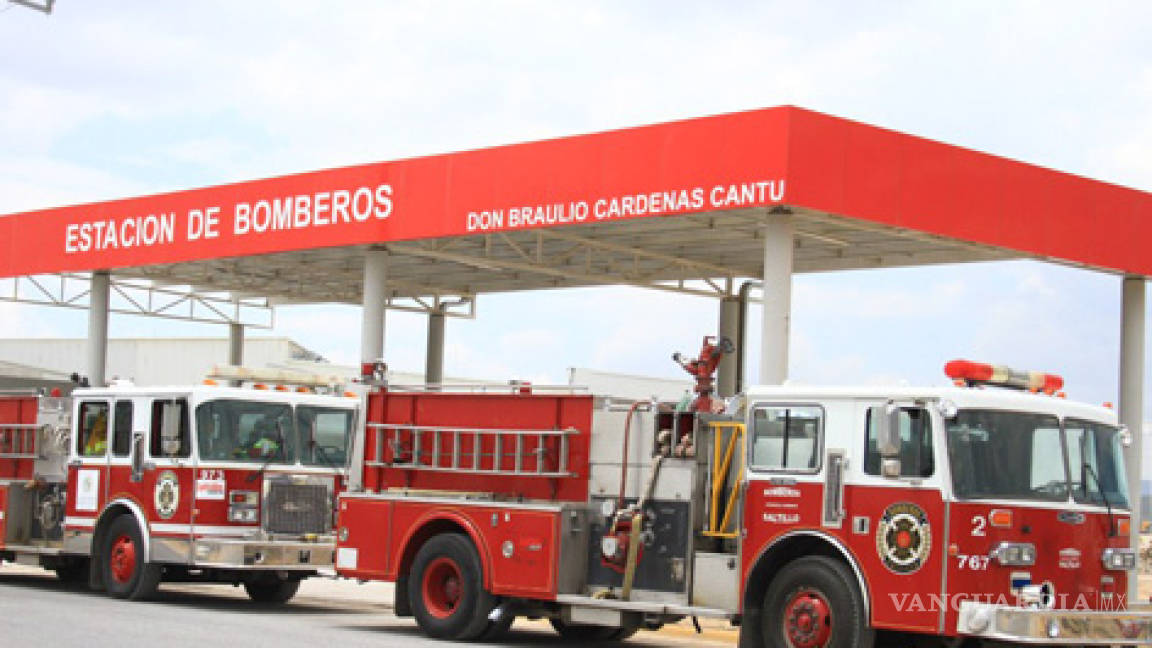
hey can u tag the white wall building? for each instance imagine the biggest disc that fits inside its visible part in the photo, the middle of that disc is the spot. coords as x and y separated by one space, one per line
156 361
622 385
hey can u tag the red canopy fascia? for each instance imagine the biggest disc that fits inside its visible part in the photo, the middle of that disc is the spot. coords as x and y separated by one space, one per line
783 155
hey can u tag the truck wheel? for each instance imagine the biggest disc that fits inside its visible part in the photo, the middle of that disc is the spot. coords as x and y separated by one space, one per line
814 603
272 589
580 632
446 589
126 574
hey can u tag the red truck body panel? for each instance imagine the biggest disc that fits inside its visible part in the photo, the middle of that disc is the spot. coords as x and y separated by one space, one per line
493 411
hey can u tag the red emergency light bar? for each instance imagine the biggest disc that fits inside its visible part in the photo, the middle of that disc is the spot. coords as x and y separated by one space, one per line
979 373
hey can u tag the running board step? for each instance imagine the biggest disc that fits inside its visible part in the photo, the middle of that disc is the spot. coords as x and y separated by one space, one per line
644 607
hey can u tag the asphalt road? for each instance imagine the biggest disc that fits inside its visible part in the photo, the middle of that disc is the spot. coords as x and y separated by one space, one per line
38 610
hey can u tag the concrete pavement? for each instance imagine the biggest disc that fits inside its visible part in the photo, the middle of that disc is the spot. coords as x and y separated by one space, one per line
38 610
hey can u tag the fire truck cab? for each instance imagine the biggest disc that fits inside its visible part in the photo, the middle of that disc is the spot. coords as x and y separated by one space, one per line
126 486
809 516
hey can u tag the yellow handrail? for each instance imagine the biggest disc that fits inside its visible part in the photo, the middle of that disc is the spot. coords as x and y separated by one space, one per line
719 468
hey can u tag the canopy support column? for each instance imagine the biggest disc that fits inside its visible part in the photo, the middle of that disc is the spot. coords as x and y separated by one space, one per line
1131 410
375 298
235 344
98 302
779 236
728 327
434 361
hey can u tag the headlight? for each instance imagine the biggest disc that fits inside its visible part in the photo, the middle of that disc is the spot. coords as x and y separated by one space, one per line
1015 554
243 515
1119 559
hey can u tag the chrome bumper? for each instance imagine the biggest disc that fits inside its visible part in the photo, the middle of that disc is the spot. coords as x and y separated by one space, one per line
1132 626
257 554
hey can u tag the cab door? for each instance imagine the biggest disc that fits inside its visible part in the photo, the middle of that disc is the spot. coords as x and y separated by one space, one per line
88 469
785 473
897 525
168 479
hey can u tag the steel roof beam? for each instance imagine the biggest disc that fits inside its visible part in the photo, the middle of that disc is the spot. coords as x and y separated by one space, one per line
135 299
491 263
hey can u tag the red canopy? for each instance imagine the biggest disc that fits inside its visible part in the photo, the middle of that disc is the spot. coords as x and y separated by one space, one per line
778 156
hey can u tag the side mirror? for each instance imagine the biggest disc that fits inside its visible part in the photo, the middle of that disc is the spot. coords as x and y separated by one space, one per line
888 430
888 438
137 459
170 429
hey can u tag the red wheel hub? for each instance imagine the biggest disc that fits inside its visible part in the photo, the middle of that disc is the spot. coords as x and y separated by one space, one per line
443 587
807 620
122 559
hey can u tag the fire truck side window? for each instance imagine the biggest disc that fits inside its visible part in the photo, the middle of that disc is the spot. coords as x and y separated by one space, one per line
324 435
93 439
1095 462
915 443
179 447
786 437
122 429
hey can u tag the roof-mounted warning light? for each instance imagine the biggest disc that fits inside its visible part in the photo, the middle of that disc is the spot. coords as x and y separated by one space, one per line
979 373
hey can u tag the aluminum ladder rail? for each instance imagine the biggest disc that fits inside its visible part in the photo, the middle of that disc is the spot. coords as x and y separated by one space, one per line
18 440
390 436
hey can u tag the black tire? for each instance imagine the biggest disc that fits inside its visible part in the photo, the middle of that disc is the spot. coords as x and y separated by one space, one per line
272 589
581 633
815 599
126 574
446 589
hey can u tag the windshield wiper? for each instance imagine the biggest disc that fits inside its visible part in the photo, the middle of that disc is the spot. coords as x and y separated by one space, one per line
1089 470
259 472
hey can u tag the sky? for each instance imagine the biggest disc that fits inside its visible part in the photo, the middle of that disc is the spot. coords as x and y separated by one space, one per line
118 98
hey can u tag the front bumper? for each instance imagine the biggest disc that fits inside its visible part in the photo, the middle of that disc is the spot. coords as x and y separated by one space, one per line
1132 626
250 554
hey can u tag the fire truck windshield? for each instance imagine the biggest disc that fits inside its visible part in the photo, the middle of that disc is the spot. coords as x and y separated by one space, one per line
1006 455
1021 456
250 431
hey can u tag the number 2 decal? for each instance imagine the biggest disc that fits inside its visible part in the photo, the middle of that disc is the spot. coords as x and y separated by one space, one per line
978 522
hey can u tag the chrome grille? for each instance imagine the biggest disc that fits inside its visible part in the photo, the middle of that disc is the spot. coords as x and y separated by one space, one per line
297 509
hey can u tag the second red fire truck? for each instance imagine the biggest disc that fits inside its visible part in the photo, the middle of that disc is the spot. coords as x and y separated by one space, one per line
127 486
992 511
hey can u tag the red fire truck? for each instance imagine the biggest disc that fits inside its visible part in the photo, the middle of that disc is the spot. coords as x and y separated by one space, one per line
990 511
126 486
